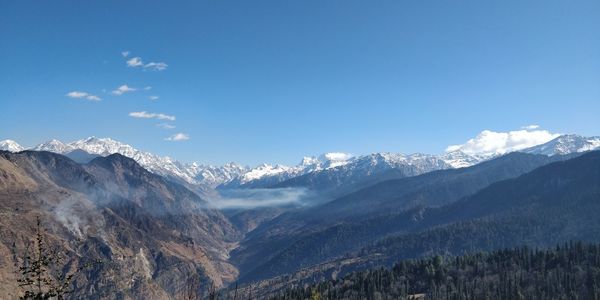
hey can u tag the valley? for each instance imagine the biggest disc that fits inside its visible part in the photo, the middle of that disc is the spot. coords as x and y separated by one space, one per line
336 219
301 150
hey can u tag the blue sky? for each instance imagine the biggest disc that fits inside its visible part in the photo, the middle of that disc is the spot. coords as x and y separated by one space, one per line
272 81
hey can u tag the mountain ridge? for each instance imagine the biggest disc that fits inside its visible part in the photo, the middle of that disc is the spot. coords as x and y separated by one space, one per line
328 166
155 232
552 204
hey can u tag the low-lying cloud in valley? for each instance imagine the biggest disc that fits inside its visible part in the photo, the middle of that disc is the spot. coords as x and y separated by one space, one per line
255 198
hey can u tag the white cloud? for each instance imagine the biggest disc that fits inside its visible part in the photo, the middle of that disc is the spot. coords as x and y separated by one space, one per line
157 66
490 142
147 115
530 127
83 95
135 62
337 156
147 88
93 98
125 53
165 126
153 97
178 137
122 90
76 94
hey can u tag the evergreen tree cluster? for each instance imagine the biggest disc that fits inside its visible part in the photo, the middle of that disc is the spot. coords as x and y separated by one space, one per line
570 271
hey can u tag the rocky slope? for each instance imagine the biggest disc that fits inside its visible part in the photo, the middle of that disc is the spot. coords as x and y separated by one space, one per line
150 233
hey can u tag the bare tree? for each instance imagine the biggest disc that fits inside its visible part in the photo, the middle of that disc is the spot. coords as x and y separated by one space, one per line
192 288
213 292
41 270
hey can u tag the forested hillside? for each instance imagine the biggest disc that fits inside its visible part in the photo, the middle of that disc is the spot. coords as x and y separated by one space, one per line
555 203
348 223
569 271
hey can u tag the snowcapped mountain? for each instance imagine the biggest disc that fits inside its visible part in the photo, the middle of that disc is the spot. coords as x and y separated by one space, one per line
338 169
363 170
421 163
335 168
267 175
212 176
566 144
563 144
460 159
191 173
10 145
55 146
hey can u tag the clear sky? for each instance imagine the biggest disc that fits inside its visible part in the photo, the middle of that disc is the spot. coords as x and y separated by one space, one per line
272 81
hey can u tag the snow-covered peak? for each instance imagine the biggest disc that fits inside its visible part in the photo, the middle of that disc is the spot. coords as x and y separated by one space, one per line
309 161
213 176
388 157
265 170
473 152
53 146
192 173
386 160
10 145
565 144
268 175
459 159
560 145
105 146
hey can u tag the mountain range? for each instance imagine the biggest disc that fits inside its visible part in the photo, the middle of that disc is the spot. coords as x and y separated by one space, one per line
552 204
153 231
329 171
300 238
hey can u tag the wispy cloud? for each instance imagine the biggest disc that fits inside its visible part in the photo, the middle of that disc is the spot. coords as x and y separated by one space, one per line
122 90
178 137
165 126
147 88
153 98
125 53
83 95
147 115
531 127
137 61
157 66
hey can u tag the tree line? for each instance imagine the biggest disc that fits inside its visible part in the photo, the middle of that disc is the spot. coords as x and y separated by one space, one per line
568 271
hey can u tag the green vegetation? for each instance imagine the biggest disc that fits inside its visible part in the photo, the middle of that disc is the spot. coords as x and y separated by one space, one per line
570 271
